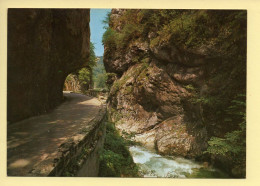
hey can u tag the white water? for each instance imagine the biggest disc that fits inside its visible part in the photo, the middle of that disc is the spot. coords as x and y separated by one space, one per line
154 165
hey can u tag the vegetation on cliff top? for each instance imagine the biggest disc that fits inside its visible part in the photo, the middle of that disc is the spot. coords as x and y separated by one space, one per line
185 28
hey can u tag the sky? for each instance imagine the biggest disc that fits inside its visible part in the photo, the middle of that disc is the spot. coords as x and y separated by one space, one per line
96 29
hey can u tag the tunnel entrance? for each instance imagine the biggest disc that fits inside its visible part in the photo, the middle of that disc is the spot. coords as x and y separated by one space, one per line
79 81
87 78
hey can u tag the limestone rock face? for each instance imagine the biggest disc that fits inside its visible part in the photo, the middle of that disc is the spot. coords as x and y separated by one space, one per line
161 93
149 98
151 105
44 46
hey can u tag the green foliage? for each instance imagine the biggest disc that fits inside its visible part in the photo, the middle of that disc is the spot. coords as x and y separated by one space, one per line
99 74
84 76
119 40
192 28
129 89
196 98
233 144
128 33
111 75
142 76
210 101
101 81
115 160
154 42
69 77
190 87
82 79
92 56
183 28
117 85
145 61
107 20
115 114
109 38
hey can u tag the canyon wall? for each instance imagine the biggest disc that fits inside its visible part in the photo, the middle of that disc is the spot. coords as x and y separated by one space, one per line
173 74
44 46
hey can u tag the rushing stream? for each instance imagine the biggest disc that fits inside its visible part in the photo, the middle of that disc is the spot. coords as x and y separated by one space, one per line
155 165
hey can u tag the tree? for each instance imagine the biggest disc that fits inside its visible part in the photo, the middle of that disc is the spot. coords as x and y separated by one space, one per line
99 74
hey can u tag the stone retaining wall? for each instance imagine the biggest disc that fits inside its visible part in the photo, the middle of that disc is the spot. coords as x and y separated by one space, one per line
79 155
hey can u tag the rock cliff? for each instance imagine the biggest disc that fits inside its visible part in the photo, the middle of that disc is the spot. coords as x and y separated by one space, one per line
173 74
44 46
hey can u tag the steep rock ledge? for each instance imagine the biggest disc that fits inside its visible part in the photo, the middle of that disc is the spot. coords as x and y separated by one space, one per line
161 90
44 46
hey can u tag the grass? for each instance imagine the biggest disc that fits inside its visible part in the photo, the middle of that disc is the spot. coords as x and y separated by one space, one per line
115 159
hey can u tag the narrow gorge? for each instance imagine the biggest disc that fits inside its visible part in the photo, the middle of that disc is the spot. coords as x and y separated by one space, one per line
162 95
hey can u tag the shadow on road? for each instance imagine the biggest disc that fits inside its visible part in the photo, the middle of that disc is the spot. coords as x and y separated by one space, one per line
37 139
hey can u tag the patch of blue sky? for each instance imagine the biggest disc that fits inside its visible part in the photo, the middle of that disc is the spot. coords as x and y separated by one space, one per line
97 29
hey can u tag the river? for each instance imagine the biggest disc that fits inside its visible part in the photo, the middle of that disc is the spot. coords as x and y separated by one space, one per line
152 164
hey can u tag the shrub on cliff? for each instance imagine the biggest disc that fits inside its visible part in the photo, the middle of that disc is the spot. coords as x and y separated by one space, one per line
233 145
115 159
109 38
